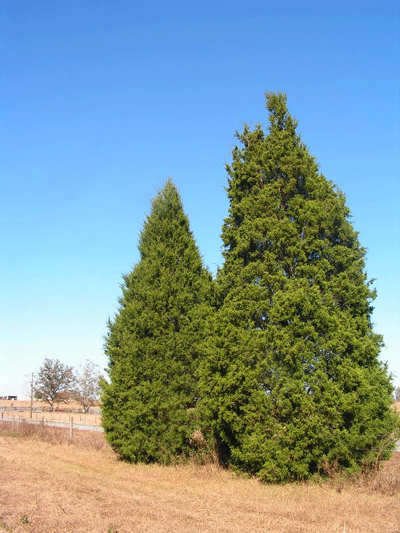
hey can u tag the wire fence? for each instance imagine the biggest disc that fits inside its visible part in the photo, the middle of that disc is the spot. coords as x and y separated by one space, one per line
71 425
60 415
46 409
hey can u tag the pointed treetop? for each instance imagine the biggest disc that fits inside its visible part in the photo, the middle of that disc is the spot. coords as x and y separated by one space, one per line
166 197
166 221
279 118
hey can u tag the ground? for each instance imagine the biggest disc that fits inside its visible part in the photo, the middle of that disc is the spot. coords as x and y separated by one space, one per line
82 487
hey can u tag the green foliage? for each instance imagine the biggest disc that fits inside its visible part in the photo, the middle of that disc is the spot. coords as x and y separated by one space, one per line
149 405
291 381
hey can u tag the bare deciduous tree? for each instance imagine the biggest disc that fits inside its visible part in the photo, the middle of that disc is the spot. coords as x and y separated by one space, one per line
397 394
87 385
55 382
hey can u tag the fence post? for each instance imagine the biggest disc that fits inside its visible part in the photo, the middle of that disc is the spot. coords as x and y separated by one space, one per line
71 428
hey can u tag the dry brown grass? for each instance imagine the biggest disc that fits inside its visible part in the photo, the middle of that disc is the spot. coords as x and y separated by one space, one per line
49 485
84 439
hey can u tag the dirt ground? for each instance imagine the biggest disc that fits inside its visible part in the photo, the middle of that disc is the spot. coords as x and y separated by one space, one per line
59 487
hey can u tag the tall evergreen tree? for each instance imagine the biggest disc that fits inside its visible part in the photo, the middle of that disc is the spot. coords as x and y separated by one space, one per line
291 384
149 404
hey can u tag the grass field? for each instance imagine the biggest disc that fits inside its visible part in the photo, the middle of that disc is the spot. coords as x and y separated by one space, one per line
49 485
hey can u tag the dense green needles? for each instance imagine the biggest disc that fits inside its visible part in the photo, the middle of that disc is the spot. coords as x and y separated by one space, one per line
284 373
153 342
291 382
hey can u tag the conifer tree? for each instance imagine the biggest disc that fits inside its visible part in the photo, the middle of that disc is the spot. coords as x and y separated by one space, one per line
149 403
291 384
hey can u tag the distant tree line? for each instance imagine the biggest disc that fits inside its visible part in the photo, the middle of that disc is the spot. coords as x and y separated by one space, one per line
57 383
273 365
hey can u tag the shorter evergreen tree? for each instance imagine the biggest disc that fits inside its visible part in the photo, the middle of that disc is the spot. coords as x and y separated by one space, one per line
149 404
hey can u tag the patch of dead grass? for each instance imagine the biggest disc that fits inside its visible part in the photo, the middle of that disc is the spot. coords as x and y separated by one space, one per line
386 480
56 486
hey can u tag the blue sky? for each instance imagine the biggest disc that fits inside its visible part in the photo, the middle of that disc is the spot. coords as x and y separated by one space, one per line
102 101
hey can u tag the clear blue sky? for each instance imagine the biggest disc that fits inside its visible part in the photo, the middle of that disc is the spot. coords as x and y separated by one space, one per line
102 101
